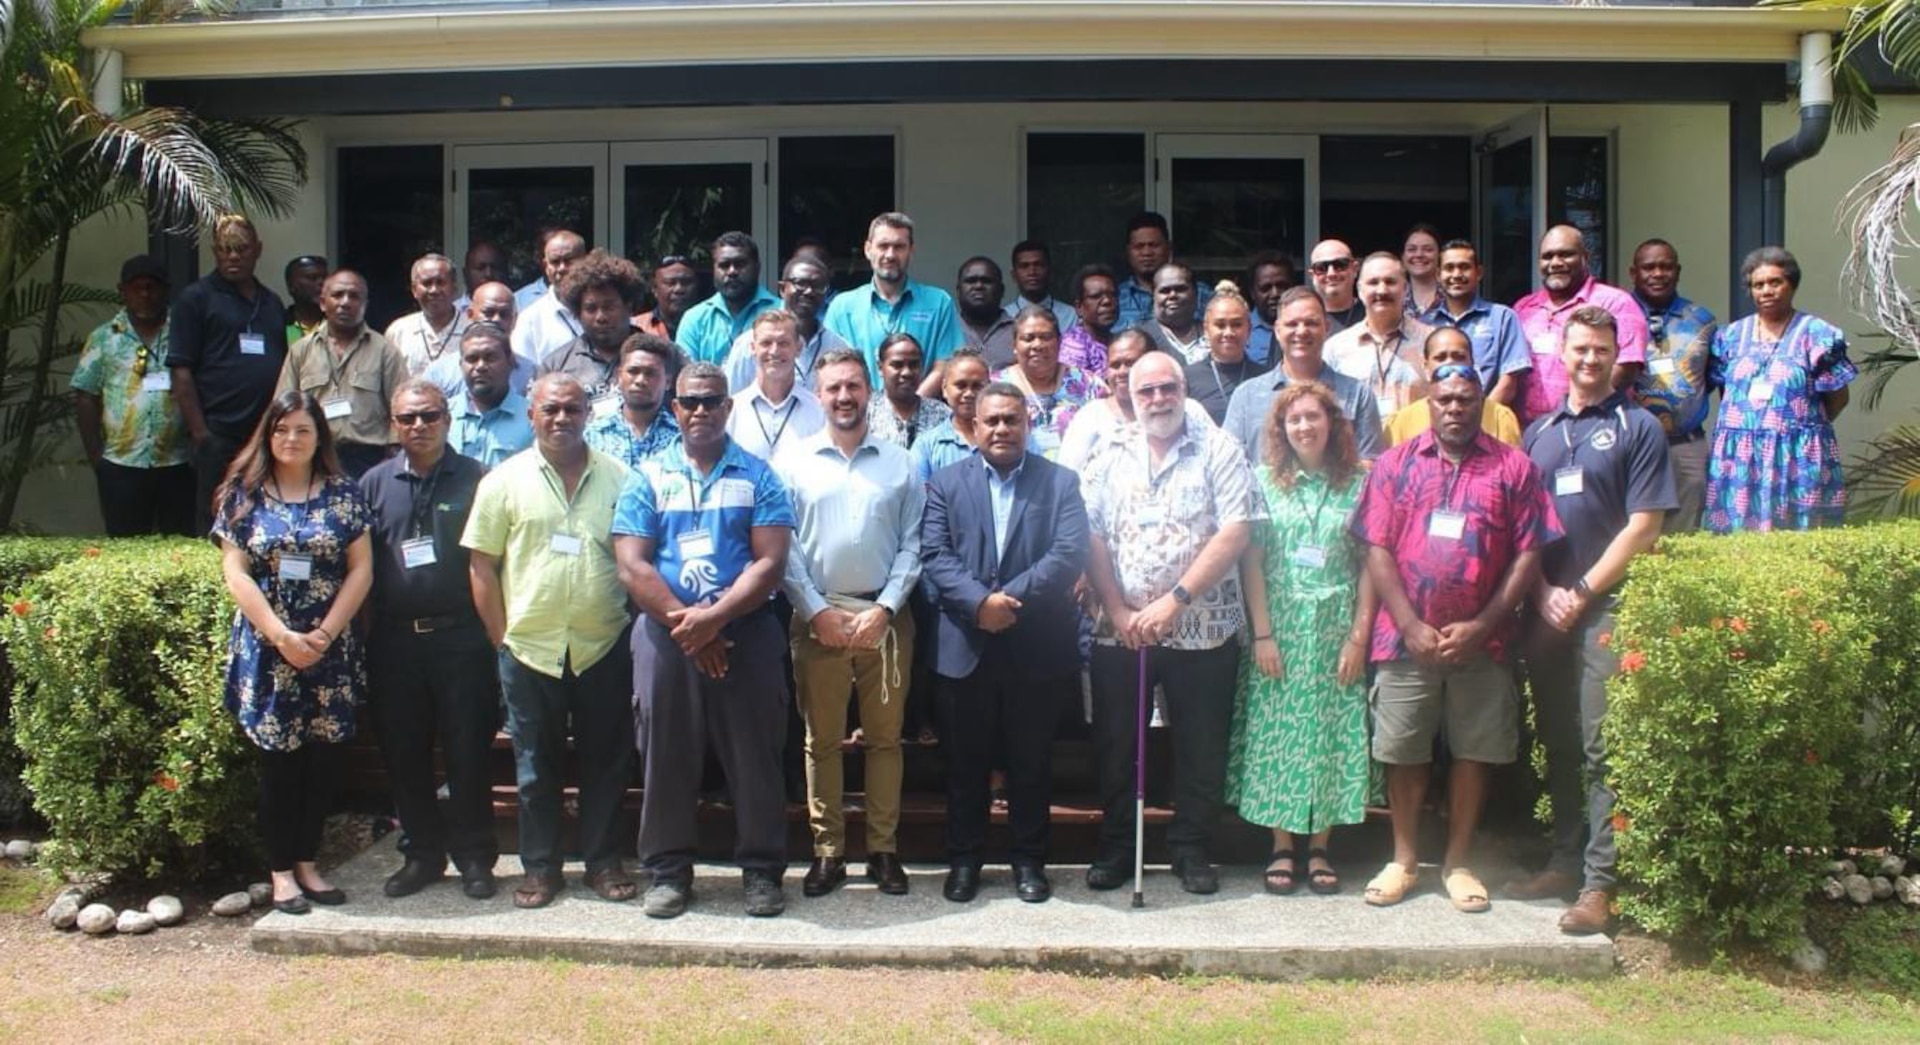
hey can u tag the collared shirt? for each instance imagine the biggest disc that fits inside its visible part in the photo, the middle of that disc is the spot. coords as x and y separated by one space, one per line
1157 519
530 293
1063 313
1499 345
489 436
297 330
702 527
884 423
943 447
651 323
1191 349
857 521
1078 347
1251 403
1390 367
1100 431
1601 464
710 328
1136 304
407 506
995 343
742 368
565 604
1000 490
1494 495
576 358
1260 341
762 427
863 319
235 348
543 327
140 424
1495 419
446 373
1542 322
612 435
353 389
1674 387
421 345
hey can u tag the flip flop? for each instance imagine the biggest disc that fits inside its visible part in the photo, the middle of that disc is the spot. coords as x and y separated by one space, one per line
1468 894
1390 886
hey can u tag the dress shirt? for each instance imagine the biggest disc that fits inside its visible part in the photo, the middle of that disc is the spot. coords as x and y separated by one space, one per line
527 295
1542 321
761 427
544 327
365 378
1390 367
863 319
741 367
1000 497
857 522
140 424
711 327
1499 345
489 436
1260 340
421 345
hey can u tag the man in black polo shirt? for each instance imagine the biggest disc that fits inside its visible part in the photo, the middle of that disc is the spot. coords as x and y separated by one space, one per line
1605 459
226 344
432 669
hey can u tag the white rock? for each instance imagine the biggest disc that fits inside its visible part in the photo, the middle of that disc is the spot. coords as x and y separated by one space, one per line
1908 890
64 911
1833 890
20 849
1882 888
166 910
260 894
233 905
1842 868
97 919
1892 866
1858 888
135 922
1808 957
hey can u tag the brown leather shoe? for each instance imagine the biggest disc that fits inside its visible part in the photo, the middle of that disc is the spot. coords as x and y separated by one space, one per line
884 870
824 876
1590 914
1547 885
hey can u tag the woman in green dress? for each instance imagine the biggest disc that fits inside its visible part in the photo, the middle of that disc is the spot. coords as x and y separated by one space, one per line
1299 761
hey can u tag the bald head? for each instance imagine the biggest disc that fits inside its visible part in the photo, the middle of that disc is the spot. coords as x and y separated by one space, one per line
1563 261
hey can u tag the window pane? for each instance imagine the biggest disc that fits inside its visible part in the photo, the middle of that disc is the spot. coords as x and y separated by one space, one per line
1510 248
1081 189
510 206
830 189
681 208
1227 210
389 213
1577 193
1373 188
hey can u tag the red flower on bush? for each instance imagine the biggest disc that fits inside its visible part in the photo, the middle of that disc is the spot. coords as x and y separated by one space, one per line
166 781
91 553
1813 758
1604 640
1621 823
1738 624
22 608
1821 627
1633 661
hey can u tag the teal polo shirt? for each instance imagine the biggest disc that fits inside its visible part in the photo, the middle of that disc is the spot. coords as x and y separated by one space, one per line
708 329
863 319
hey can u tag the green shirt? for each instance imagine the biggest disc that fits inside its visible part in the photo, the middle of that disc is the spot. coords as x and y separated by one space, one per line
565 604
140 425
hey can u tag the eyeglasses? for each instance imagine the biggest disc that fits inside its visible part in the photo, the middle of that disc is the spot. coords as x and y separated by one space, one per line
421 417
1331 265
1168 389
1450 371
668 261
695 404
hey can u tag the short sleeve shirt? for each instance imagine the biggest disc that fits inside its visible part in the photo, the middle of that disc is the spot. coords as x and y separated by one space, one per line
1675 386
710 328
863 319
354 390
576 360
140 424
612 435
1542 322
489 436
702 528
235 348
421 345
1499 346
1619 452
1390 367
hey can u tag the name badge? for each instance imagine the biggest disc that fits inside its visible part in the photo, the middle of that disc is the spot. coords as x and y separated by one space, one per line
1760 393
253 345
418 552
335 409
1447 525
565 544
1386 405
157 382
1148 518
1661 367
696 544
1569 482
1310 557
295 566
605 405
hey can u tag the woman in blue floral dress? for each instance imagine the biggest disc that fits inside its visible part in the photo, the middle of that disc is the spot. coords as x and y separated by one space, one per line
1055 391
298 560
1783 376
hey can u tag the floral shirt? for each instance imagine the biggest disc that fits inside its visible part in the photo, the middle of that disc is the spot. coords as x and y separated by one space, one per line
1673 387
611 435
884 423
140 424
1053 412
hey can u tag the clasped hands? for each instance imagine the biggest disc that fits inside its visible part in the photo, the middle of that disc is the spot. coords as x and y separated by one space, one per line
302 649
1452 644
1148 625
696 629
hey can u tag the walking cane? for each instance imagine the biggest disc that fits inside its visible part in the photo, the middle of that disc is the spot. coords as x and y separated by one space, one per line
1140 786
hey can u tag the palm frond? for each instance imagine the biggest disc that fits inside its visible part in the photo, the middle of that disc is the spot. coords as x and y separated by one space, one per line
1881 365
1855 107
1885 478
25 304
263 162
1877 212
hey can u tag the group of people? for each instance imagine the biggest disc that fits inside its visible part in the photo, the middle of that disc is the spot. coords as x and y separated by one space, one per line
1325 525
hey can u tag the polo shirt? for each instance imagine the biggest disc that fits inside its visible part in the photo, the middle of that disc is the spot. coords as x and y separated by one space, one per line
701 527
1674 387
565 604
1136 304
1063 313
709 328
762 428
1542 321
1449 579
742 368
489 436
204 331
1390 367
863 319
364 379
1253 400
140 424
994 343
421 344
407 505
1621 453
576 359
544 326
857 522
1499 345
612 435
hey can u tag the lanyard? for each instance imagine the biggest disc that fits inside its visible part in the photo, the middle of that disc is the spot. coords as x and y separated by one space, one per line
434 351
1389 349
809 355
1226 391
785 415
1573 450
421 512
333 366
1448 482
1326 491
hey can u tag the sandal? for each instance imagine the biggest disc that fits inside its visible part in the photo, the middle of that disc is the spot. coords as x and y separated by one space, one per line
1469 896
612 885
1321 880
1280 881
536 891
1390 886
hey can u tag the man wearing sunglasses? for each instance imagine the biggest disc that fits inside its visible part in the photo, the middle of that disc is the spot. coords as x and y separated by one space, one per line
129 424
1332 267
674 284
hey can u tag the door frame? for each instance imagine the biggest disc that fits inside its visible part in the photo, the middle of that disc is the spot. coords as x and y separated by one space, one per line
1532 125
462 160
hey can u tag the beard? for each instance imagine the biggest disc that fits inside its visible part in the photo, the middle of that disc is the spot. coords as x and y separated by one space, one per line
1162 426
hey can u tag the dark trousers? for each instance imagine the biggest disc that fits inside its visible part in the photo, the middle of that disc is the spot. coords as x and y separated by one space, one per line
296 791
210 461
1569 672
139 501
540 709
443 686
997 717
359 458
677 711
1200 687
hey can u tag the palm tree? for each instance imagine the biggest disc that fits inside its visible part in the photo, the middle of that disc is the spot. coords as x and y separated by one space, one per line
65 160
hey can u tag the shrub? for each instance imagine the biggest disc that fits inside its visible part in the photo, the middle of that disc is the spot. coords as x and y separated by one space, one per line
22 559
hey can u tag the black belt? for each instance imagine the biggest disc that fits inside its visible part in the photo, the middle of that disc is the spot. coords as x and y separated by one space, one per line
429 625
1676 439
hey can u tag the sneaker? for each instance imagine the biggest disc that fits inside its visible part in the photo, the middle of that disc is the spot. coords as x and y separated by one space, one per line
765 899
667 899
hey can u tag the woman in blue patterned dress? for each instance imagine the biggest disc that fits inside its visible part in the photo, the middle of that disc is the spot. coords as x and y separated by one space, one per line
297 558
1783 376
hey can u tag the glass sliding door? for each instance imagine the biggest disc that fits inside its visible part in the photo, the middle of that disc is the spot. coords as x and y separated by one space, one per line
509 194
1512 205
1230 196
675 197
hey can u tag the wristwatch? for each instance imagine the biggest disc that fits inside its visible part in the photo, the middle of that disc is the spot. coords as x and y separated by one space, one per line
1182 596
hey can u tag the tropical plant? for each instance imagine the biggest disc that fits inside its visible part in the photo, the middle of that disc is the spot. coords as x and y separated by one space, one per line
65 160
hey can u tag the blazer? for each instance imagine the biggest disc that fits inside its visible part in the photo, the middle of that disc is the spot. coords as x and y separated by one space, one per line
1046 550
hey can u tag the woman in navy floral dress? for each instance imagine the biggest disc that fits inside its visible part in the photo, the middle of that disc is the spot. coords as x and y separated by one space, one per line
298 560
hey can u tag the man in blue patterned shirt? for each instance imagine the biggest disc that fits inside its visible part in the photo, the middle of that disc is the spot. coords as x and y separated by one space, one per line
643 426
1674 387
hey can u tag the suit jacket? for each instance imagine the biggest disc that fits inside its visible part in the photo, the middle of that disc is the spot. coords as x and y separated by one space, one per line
1046 550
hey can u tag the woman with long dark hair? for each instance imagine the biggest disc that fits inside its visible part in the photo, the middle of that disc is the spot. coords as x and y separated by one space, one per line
298 560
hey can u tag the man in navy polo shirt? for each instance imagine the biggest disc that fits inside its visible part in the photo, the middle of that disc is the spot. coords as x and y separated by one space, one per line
701 536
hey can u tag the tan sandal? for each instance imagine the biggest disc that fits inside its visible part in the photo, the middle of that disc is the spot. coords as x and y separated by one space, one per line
1465 889
1391 885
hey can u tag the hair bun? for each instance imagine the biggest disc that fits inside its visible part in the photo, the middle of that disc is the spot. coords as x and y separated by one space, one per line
1228 288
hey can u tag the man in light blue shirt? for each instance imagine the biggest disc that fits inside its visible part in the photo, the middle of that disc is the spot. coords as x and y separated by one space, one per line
803 290
489 420
1500 351
1149 249
710 328
863 317
1033 284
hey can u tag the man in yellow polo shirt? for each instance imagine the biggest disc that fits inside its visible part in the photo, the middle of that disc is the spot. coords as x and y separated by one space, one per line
547 590
1451 345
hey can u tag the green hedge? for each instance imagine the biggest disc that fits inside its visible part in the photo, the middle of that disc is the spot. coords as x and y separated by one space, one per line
22 559
1767 710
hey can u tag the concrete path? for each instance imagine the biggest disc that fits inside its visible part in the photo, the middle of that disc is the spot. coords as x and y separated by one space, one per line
1240 931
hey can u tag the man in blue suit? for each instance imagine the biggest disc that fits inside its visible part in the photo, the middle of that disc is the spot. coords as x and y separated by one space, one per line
1003 540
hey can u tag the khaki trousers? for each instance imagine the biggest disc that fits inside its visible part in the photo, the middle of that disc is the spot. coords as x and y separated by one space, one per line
878 677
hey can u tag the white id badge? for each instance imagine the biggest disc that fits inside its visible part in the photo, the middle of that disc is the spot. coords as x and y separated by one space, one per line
1661 367
253 345
335 409
605 405
418 552
1569 482
1310 557
565 544
296 567
1760 393
1149 517
1447 525
696 544
1386 405
157 382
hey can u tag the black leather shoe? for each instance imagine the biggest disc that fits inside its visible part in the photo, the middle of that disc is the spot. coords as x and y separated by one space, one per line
824 876
884 870
1030 883
413 876
1105 874
477 881
295 904
329 897
963 883
1197 875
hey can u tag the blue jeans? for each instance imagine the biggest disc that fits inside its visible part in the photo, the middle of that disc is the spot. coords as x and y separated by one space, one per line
598 704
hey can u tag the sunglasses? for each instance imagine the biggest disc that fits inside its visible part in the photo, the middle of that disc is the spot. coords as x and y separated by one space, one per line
670 260
140 362
695 404
422 417
1168 388
1331 265
1449 371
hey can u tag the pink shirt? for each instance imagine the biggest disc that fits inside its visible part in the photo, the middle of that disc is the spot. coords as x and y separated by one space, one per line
1542 323
1449 579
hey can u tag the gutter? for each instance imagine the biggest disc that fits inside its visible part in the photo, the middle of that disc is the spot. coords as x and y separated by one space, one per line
1816 119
